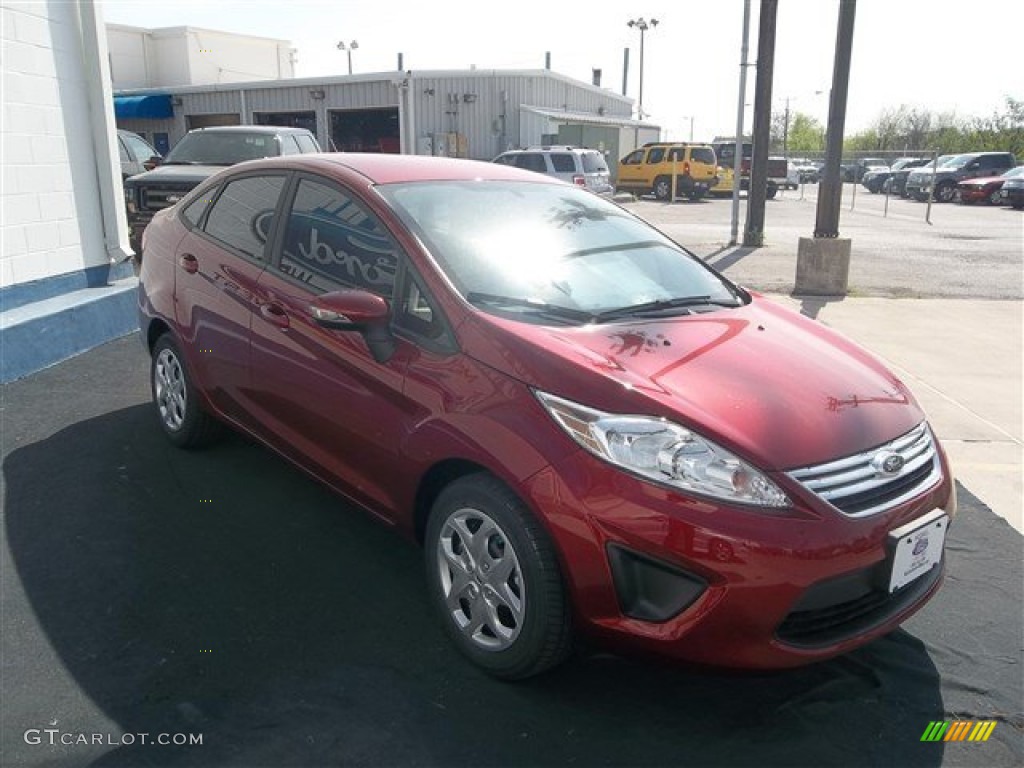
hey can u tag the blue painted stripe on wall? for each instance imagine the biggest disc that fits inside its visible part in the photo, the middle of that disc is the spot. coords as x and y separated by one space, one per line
20 294
49 338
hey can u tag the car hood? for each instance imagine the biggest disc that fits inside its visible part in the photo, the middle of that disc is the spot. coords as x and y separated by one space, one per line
777 388
177 174
982 181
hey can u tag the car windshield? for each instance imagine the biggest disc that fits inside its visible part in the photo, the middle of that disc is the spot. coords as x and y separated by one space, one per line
1014 172
957 161
543 251
222 148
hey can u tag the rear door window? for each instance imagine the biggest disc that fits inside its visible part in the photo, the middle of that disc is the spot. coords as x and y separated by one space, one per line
563 163
242 215
531 161
656 155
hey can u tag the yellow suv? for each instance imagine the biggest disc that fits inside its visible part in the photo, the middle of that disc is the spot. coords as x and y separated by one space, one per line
650 168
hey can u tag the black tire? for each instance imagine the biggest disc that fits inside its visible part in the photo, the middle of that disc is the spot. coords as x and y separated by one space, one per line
995 197
541 635
770 191
945 191
662 188
178 410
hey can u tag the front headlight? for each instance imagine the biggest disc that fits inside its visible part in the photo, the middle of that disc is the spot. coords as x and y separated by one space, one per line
665 453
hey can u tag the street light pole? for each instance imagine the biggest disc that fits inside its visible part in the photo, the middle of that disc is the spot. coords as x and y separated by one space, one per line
643 25
348 49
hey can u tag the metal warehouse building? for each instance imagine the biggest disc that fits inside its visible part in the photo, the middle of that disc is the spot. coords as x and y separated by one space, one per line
476 113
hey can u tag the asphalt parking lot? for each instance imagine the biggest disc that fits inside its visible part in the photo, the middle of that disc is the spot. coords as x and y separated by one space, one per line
222 593
968 251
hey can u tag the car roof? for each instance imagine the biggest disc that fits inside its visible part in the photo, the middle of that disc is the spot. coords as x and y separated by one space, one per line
390 169
271 129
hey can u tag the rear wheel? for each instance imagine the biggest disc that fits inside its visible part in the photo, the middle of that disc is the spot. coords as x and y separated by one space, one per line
181 416
495 580
662 188
770 191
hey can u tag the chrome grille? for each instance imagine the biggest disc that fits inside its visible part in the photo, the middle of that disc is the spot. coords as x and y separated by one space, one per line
156 198
857 487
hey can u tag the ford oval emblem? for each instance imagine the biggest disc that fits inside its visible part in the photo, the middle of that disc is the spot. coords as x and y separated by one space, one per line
921 545
887 463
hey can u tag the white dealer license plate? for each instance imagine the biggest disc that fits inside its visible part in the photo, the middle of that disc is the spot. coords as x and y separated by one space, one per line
918 548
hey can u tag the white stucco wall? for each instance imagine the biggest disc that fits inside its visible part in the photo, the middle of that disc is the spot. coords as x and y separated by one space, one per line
51 219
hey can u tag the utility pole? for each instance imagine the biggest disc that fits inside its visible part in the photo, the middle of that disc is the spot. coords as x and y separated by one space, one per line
785 133
643 25
823 261
737 160
753 234
831 188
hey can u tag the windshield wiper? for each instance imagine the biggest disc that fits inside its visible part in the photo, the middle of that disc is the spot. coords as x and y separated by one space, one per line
660 305
541 307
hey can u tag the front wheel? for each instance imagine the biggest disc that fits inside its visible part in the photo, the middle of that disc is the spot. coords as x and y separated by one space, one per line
945 192
995 197
495 580
181 415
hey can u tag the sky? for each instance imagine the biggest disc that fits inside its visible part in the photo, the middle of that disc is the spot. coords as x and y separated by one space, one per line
920 53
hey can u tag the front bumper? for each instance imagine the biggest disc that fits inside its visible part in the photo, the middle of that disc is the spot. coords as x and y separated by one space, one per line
753 589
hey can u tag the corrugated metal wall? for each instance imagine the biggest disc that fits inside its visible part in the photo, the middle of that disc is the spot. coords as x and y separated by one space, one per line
483 106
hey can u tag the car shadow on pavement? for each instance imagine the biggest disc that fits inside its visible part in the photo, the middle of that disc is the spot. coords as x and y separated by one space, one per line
222 592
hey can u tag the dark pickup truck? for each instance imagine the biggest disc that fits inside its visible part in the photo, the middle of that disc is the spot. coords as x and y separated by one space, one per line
200 154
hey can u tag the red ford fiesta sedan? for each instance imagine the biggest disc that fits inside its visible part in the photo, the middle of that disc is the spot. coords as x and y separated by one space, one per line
586 427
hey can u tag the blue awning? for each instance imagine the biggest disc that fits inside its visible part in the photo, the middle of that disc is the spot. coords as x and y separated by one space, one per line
151 107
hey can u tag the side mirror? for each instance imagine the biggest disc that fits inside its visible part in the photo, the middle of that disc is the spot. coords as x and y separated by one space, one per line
153 162
359 311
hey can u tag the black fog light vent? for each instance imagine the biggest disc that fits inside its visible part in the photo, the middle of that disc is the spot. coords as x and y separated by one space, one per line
651 590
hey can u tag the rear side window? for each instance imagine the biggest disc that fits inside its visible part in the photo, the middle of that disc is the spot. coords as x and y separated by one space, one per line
563 163
531 161
194 212
656 155
242 216
702 155
593 162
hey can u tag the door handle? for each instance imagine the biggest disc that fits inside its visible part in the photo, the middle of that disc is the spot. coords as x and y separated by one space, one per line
274 314
189 263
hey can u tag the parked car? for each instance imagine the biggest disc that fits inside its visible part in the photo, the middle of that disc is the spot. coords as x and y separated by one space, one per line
854 172
1012 192
809 174
201 153
897 181
986 189
585 426
952 172
650 169
723 187
575 165
874 178
778 170
136 154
